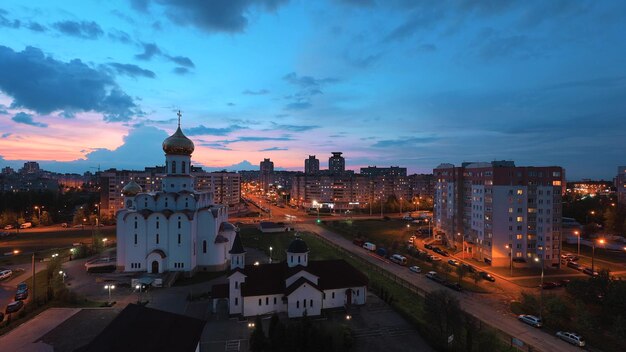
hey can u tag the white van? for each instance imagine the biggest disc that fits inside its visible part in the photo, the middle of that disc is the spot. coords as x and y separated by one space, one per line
369 246
398 259
5 274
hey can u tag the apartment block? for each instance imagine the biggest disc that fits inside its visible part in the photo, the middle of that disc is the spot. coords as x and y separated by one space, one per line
620 184
500 213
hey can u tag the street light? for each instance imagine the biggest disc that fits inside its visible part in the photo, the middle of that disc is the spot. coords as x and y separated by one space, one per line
139 287
541 286
109 287
104 242
62 274
270 254
577 233
593 254
510 248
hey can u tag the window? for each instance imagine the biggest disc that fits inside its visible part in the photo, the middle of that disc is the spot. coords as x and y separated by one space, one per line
236 300
267 301
135 238
520 218
179 238
204 246
556 183
184 167
179 223
236 284
260 302
311 303
135 223
357 293
157 238
297 304
174 167
157 224
333 295
510 210
520 192
274 300
304 303
519 237
298 259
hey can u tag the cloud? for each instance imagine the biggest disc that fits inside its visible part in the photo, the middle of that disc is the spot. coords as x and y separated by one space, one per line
67 114
149 51
131 70
230 16
6 135
302 105
120 36
181 70
404 142
308 81
45 85
255 92
181 60
293 128
36 27
203 130
83 29
217 146
272 149
255 139
27 119
5 22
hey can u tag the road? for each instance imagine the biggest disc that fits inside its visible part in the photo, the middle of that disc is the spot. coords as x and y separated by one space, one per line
488 308
9 286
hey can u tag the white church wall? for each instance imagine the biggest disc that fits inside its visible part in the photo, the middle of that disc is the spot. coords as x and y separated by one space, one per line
266 304
135 226
296 301
180 243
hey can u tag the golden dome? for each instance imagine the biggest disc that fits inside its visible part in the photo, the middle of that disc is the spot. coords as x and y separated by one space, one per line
131 189
178 144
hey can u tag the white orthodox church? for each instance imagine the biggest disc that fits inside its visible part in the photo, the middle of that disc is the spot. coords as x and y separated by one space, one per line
295 286
177 228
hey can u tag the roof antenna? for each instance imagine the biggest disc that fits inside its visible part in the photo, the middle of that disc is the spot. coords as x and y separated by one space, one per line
179 115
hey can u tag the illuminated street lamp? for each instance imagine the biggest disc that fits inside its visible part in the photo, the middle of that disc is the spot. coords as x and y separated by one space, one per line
109 287
104 242
593 253
540 286
62 274
270 254
510 248
16 251
577 233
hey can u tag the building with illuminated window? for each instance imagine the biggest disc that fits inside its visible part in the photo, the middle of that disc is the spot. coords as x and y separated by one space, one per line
620 184
500 213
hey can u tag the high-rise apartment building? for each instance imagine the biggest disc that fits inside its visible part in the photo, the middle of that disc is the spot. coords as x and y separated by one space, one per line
266 168
393 171
336 163
620 184
311 165
499 213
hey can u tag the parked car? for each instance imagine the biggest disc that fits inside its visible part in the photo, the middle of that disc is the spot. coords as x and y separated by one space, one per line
381 251
454 285
428 246
564 282
64 224
369 246
22 291
14 307
572 338
415 269
454 262
8 227
26 225
4 274
434 258
574 265
588 271
530 320
486 276
468 267
434 276
549 285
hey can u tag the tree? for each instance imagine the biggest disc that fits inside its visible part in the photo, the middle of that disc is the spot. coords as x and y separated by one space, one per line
258 341
276 333
443 313
461 271
46 219
557 312
446 269
476 277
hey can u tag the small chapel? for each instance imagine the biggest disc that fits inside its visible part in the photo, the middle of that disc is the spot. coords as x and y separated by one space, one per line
176 228
296 286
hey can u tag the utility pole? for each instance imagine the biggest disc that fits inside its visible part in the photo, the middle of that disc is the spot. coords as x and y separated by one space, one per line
34 292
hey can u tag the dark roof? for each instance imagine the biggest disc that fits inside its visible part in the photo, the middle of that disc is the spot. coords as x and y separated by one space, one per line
138 328
298 246
220 239
266 279
219 291
237 247
296 284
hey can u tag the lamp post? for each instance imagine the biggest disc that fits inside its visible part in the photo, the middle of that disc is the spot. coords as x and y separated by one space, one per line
593 212
400 205
510 248
577 233
137 287
593 254
109 287
104 242
270 254
381 205
38 213
540 286
62 274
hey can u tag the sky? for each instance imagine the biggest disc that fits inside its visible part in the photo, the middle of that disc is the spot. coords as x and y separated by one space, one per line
95 83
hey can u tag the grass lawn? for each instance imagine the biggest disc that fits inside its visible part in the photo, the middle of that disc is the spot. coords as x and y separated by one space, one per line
200 276
46 243
380 232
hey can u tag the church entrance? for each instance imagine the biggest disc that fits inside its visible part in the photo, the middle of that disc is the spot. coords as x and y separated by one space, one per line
155 267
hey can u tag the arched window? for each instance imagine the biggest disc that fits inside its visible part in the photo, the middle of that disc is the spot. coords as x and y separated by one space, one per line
179 237
204 246
184 167
157 238
174 167
135 238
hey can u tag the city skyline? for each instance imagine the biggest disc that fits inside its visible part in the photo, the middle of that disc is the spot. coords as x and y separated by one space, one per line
386 83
